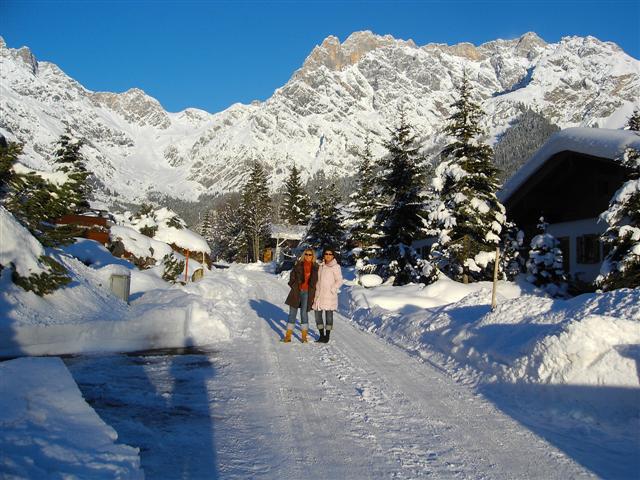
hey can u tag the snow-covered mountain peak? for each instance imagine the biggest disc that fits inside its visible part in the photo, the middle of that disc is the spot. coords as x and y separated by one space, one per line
343 93
336 56
135 106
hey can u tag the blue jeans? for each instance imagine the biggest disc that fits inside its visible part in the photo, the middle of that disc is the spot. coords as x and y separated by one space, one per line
304 315
328 315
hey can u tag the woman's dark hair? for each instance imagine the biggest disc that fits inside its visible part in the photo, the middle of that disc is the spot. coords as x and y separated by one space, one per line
328 249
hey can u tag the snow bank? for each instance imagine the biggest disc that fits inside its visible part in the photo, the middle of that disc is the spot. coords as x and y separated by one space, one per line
85 317
47 429
138 244
442 292
593 339
18 246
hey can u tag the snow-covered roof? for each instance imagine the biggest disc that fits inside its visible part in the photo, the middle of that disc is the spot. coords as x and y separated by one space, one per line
598 142
183 238
288 232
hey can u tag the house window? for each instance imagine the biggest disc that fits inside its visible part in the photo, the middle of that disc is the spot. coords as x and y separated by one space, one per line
588 249
565 243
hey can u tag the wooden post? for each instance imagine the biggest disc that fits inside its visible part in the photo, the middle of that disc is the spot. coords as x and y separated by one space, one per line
495 279
204 263
186 269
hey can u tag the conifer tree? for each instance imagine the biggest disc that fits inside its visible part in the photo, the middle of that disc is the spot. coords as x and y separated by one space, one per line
206 226
255 209
513 254
469 216
68 158
14 196
544 267
401 217
621 267
36 202
229 238
9 154
295 209
364 205
634 121
326 227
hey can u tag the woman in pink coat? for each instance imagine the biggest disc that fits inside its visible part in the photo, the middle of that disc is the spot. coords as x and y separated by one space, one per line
326 299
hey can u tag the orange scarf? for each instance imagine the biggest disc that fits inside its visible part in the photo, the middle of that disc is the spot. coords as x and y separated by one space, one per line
304 286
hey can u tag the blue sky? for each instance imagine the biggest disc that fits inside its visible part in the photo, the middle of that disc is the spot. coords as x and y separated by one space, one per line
211 54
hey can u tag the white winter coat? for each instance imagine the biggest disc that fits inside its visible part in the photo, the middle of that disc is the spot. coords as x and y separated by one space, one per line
329 281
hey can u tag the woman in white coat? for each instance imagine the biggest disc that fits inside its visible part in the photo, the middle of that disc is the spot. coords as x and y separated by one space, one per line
326 299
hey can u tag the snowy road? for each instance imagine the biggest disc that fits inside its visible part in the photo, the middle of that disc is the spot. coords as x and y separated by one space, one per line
355 408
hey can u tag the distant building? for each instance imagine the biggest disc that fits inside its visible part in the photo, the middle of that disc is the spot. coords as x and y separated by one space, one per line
95 224
570 181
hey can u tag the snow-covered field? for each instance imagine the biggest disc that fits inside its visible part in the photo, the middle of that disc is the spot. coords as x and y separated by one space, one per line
416 382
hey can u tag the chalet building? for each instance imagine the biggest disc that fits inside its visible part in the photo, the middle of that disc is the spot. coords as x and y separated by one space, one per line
570 181
95 224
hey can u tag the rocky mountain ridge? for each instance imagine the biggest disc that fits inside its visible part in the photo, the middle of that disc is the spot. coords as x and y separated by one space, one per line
342 93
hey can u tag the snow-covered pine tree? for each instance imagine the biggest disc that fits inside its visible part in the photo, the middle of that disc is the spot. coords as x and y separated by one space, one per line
9 154
75 192
205 227
544 267
295 208
634 121
621 267
513 255
229 238
35 202
12 194
469 216
146 221
255 209
326 228
401 217
364 206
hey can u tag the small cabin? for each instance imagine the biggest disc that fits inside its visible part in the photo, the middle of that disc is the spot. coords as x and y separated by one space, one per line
570 181
287 237
95 224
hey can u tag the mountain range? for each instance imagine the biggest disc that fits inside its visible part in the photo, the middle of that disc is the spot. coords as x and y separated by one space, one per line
342 94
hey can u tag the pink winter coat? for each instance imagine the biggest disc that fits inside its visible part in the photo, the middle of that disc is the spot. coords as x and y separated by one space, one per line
329 281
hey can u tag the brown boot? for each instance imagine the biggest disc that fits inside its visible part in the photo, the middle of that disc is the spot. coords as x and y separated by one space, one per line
287 336
303 337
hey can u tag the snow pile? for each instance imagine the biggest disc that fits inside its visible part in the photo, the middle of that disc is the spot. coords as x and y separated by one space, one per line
370 280
18 247
138 244
47 429
179 236
85 316
168 228
593 339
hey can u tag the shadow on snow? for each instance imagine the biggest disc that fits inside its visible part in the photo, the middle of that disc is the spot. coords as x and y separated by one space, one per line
159 402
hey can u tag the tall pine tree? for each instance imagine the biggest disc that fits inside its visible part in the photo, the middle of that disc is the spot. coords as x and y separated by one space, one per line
229 237
295 209
468 215
255 210
364 206
621 267
401 218
326 228
68 158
